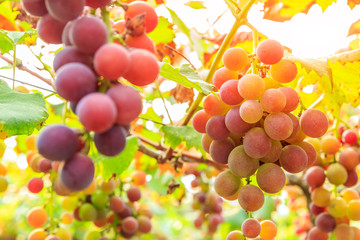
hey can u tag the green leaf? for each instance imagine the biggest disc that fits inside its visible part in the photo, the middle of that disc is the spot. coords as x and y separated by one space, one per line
6 44
174 135
118 164
347 77
151 115
185 76
196 4
21 113
178 22
163 33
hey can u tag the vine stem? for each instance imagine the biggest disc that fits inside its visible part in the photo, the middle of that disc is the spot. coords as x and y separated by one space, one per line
25 83
163 100
255 34
106 17
23 68
241 20
14 65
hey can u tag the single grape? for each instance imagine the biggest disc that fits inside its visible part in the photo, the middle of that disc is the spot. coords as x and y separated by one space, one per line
133 194
251 86
136 8
251 198
314 123
284 71
35 185
37 217
240 164
222 75
65 10
227 184
270 51
251 228
256 143
112 142
270 178
235 58
35 7
50 30
293 159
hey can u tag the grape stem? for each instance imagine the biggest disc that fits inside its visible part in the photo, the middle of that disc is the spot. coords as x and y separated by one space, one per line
106 17
14 65
163 100
25 83
255 34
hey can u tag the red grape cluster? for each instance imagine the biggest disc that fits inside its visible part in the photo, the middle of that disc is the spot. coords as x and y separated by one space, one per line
336 167
88 73
249 125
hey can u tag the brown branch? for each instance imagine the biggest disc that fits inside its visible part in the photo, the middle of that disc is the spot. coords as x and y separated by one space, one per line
23 68
185 156
182 55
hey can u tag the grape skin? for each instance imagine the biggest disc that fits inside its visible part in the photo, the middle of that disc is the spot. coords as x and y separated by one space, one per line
70 54
220 150
314 123
65 10
270 178
111 142
35 7
293 159
251 198
50 30
240 164
256 143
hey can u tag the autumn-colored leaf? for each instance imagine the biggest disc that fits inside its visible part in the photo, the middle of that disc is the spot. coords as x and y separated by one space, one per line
353 3
283 10
182 94
195 4
6 24
354 28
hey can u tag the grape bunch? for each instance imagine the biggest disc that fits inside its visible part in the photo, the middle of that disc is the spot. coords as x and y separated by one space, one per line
249 125
205 200
90 74
335 201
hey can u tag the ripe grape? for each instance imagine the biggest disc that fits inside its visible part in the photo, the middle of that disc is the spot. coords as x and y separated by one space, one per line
213 105
330 145
70 54
97 3
256 143
199 121
310 152
336 174
270 51
111 61
349 194
292 99
35 185
273 100
314 123
82 34
268 230
235 58
129 225
133 194
112 142
57 142
316 234
128 103
136 8
37 217
278 126
87 212
284 71
74 81
37 234
293 159
220 150
251 198
77 172
349 136
344 232
227 184
229 93
97 112
251 111
143 41
315 176
144 224
274 152
320 197
35 7
99 199
65 10
353 210
66 218
216 128
235 123
50 30
116 204
337 207
222 75
270 178
206 142
251 86
146 61
108 187
65 36
240 164
235 235
251 228
349 158
352 178
316 210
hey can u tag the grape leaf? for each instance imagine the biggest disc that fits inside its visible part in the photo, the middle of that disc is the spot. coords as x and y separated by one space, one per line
185 76
163 33
353 3
21 113
354 28
196 4
179 23
117 164
174 135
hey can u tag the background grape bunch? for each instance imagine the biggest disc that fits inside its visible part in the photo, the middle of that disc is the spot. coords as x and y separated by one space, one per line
249 126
